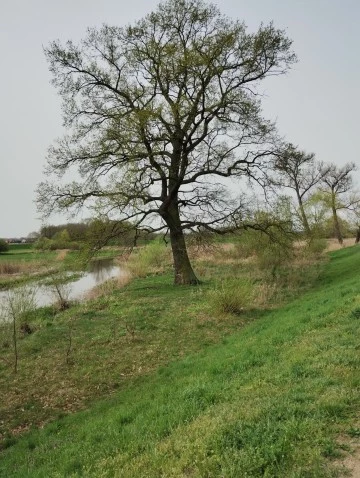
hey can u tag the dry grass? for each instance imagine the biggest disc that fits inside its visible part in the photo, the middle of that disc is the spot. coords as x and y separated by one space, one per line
11 267
219 254
333 244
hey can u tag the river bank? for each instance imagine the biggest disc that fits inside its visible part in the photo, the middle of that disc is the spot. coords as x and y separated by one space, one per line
168 383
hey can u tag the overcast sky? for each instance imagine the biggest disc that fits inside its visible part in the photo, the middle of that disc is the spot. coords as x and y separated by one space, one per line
316 105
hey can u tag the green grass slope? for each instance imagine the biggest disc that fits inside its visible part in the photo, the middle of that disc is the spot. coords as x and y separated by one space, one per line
277 399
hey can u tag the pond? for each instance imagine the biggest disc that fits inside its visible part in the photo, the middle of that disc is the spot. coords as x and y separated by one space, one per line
99 271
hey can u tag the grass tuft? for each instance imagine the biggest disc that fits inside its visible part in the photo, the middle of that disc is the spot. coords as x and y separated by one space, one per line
233 296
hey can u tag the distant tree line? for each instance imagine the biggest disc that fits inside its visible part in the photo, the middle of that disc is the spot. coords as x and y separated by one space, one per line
91 233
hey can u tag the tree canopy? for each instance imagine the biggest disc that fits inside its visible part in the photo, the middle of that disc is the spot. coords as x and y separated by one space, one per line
161 116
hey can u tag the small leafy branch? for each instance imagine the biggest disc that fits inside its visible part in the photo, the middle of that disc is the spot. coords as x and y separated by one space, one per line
18 303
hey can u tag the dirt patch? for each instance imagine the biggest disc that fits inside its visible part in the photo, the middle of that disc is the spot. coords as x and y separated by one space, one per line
353 464
62 254
350 466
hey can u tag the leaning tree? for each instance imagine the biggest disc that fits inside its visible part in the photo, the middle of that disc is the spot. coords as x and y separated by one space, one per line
298 171
161 117
338 193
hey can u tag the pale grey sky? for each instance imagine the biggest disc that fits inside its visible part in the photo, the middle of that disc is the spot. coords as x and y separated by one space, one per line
316 105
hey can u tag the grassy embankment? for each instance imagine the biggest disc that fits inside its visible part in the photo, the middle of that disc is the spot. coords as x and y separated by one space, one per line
194 392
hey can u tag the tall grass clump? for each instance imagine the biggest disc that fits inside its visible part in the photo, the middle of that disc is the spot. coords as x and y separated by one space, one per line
10 268
17 267
316 246
233 296
154 258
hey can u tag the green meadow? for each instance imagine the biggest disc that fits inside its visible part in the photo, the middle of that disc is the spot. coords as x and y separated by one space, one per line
153 380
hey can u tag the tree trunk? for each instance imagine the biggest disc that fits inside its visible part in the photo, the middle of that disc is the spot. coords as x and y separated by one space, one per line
336 221
184 274
357 240
303 217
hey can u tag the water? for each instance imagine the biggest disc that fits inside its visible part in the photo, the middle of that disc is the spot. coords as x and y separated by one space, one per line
99 271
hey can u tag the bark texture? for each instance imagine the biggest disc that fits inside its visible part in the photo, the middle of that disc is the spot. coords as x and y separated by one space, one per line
357 239
336 221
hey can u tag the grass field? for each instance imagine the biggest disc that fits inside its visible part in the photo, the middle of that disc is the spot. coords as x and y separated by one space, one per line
170 387
25 252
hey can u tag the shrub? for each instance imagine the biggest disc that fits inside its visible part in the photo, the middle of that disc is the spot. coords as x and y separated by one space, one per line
150 259
4 246
316 246
45 244
273 251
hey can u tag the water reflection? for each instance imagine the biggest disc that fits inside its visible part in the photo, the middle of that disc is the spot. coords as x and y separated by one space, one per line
100 270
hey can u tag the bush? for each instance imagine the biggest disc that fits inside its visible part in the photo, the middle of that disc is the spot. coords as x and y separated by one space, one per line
233 296
4 246
272 249
45 244
151 259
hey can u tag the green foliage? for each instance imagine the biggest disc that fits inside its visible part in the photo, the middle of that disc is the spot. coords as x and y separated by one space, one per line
62 236
75 231
61 240
271 255
328 228
4 246
272 241
20 248
43 244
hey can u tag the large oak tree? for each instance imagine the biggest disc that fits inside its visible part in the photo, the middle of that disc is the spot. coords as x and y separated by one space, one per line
161 117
